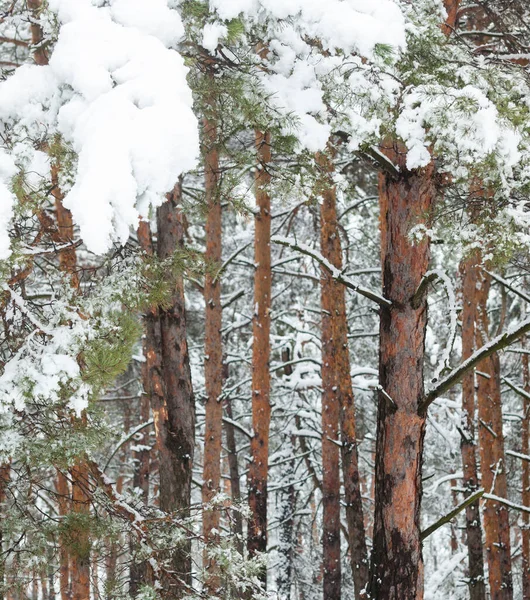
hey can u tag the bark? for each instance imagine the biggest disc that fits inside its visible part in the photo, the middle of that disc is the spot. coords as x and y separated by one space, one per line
80 547
213 348
153 397
261 408
65 227
63 502
397 564
476 581
235 481
492 460
68 264
174 412
5 476
451 6
525 449
115 544
338 409
287 511
39 49
139 571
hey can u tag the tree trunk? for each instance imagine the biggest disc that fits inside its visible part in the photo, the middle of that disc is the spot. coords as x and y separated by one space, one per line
396 571
5 476
139 571
80 547
525 449
287 510
338 409
261 408
235 483
492 461
68 264
63 501
213 348
174 412
476 581
39 53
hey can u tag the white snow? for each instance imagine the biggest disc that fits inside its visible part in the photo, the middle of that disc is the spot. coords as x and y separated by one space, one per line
108 93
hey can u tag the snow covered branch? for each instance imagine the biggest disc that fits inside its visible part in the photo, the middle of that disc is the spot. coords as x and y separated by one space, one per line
498 343
451 515
334 272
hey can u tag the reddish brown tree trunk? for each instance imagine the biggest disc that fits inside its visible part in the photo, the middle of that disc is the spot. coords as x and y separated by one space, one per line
396 571
451 6
5 476
235 483
174 412
261 408
139 572
153 397
338 410
63 501
213 347
68 264
492 460
80 548
477 589
525 449
65 227
39 53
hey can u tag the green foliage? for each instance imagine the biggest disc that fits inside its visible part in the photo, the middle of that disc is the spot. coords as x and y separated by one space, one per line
108 355
235 30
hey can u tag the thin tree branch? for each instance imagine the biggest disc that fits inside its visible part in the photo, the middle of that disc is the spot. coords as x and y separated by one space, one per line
498 343
449 516
508 286
334 272
507 503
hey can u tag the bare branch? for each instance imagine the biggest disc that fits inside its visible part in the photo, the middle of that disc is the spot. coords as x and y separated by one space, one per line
334 272
449 516
508 286
498 343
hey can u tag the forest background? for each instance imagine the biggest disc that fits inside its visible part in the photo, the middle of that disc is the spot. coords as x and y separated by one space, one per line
264 298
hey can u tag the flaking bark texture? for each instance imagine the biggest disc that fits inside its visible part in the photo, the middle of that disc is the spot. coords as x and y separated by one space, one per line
213 347
174 412
338 410
261 408
396 571
492 459
152 399
65 228
476 582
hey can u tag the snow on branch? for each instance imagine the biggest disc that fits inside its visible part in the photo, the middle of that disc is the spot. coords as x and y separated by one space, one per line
516 388
498 343
334 272
507 503
508 286
451 515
